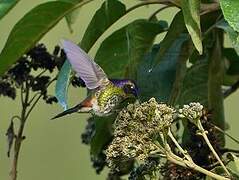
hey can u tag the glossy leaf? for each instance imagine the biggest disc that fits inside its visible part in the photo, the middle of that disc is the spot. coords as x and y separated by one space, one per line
233 35
231 73
103 134
195 87
72 16
230 12
191 13
62 84
217 170
29 30
105 16
116 58
127 46
6 6
175 29
158 81
202 83
140 37
233 59
215 81
233 165
113 10
235 162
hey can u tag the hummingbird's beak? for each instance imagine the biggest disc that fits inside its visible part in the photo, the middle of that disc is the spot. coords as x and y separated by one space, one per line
68 111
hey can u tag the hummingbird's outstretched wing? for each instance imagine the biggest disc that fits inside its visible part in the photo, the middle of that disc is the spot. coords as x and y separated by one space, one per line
90 72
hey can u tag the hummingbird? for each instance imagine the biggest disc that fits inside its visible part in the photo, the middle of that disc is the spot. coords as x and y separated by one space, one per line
106 95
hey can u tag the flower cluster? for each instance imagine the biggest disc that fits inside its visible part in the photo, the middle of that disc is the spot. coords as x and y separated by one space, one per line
193 112
136 129
23 74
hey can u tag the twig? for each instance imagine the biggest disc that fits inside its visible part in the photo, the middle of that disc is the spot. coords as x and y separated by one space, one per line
223 150
32 99
166 2
185 153
24 116
222 131
202 132
209 7
185 163
231 90
38 98
19 136
16 117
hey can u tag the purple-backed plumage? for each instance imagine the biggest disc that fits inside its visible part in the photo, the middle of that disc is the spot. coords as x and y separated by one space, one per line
122 82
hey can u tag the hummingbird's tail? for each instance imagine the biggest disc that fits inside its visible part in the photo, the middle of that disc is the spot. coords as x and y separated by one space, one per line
69 111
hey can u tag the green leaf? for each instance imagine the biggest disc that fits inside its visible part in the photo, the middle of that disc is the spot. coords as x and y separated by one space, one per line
235 162
105 16
140 38
72 16
233 59
158 81
122 51
103 133
233 35
175 29
217 170
230 12
191 13
202 83
195 87
215 81
231 73
62 84
6 6
31 28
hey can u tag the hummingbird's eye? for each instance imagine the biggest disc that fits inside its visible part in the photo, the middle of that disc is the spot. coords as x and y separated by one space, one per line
129 89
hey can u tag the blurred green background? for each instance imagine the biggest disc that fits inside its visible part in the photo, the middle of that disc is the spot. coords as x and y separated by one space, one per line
53 149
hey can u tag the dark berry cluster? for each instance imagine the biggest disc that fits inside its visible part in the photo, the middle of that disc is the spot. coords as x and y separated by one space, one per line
77 82
147 168
197 147
99 162
89 132
40 58
171 171
25 73
7 89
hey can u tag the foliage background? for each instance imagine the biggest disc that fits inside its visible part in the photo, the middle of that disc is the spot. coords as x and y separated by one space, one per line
53 149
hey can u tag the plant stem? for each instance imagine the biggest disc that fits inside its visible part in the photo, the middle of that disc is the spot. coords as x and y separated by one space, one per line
24 116
19 136
167 2
185 153
231 90
185 163
204 135
158 11
225 133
